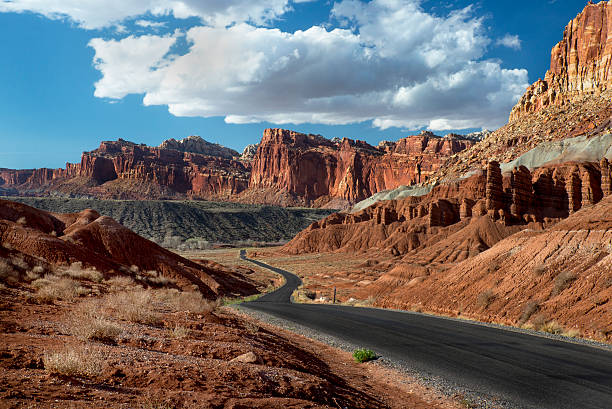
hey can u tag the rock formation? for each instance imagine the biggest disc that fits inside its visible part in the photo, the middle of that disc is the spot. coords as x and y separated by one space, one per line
543 197
574 99
494 192
104 244
286 168
195 144
249 152
606 177
573 186
122 169
312 169
591 187
522 191
580 63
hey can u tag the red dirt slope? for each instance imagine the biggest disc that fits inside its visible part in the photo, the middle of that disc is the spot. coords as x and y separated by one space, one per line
562 273
100 242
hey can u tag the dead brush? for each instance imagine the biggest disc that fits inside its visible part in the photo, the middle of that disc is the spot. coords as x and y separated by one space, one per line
35 273
90 324
562 281
77 360
120 283
135 306
8 274
52 288
179 332
156 279
485 298
77 271
540 269
552 327
530 308
185 301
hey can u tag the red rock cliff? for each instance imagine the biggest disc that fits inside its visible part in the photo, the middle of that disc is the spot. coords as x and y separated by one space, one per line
138 172
579 65
289 168
318 170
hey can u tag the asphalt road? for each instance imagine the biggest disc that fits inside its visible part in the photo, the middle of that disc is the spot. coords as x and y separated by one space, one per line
529 371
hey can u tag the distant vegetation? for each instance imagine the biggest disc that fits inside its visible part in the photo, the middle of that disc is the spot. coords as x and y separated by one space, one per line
192 224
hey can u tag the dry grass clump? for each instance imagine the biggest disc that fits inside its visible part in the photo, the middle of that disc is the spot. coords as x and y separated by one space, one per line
51 288
156 279
540 269
120 283
572 333
541 323
90 324
185 301
179 332
562 281
35 273
8 274
530 308
552 327
485 298
135 306
19 262
96 329
77 271
75 361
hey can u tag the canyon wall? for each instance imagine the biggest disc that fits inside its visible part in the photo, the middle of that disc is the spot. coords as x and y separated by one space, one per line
133 171
286 168
318 170
580 63
519 198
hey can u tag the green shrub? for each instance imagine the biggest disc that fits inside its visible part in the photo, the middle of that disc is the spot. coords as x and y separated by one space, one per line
364 355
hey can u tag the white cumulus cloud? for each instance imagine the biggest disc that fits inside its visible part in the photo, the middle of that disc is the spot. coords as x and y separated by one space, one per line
510 41
94 14
387 61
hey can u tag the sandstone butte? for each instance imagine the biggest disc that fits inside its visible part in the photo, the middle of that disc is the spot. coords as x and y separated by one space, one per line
575 97
528 242
287 168
579 64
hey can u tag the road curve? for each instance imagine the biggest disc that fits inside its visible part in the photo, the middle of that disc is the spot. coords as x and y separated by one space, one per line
530 371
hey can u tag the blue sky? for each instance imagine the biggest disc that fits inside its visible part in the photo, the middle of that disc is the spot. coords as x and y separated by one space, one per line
73 76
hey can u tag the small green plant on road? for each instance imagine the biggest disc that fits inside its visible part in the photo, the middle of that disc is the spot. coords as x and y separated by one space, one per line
364 355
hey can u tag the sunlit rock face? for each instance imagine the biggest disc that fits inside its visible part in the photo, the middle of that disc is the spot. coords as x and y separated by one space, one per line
579 64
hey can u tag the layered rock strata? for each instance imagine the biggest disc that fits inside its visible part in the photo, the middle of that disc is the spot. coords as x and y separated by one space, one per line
520 198
574 99
606 177
135 171
315 170
580 63
286 168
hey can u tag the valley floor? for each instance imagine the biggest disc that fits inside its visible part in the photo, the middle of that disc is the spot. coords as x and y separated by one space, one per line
125 346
